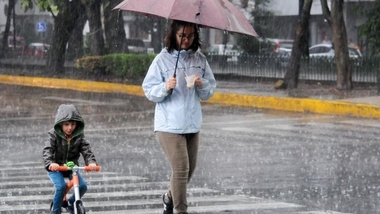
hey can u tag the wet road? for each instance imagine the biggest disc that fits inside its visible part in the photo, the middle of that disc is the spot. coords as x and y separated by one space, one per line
250 161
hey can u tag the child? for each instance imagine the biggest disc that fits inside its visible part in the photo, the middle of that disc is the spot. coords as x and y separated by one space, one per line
65 144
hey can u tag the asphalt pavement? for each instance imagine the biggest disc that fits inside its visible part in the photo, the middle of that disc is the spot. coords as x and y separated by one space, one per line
314 99
251 161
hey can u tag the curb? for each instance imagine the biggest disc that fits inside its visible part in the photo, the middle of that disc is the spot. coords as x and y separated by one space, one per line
243 100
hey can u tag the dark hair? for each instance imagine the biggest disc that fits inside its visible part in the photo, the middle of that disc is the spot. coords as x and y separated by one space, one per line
170 38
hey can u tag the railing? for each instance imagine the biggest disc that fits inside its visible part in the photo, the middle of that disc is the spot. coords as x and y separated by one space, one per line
322 69
261 66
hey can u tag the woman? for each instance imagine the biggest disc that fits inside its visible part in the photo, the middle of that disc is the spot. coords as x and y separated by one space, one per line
178 113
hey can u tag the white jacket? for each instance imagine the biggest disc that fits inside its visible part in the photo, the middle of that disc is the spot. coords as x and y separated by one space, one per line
180 112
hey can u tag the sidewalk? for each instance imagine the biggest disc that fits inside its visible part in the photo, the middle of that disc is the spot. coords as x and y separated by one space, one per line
314 99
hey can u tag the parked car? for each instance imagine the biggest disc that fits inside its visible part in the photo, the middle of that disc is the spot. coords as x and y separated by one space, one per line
230 51
281 56
136 46
280 45
19 42
36 50
13 50
327 50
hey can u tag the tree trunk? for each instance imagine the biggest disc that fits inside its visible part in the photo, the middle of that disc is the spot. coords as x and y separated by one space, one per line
114 28
95 23
342 59
300 46
64 23
158 32
75 45
4 42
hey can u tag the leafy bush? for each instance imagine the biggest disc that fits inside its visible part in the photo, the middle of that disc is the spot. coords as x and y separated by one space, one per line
118 65
91 64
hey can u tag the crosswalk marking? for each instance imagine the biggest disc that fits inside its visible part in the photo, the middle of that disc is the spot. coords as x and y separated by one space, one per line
29 189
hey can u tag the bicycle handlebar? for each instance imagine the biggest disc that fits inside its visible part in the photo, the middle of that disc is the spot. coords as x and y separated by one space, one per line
85 168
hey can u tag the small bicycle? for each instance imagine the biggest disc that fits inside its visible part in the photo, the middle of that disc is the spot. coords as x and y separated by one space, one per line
74 182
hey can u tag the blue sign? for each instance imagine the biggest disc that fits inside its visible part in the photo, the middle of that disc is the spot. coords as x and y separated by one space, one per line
41 26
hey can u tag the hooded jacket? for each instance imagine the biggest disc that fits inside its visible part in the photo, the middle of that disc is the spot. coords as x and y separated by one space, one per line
57 149
180 112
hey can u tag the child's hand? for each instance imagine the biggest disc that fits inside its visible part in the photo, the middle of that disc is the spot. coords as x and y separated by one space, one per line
92 166
53 167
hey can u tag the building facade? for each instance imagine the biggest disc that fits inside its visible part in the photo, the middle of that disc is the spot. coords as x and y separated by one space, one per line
286 13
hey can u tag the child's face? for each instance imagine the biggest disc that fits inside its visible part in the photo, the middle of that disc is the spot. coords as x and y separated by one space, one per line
68 127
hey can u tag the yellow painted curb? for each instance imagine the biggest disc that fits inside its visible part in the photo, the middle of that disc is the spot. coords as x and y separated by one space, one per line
266 102
78 85
298 105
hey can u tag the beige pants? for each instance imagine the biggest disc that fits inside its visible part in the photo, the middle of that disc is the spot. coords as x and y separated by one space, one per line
181 150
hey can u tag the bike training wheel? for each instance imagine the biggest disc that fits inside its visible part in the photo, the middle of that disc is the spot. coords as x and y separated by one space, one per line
80 208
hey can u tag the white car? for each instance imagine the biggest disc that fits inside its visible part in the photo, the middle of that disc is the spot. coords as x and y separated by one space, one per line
222 49
327 50
225 49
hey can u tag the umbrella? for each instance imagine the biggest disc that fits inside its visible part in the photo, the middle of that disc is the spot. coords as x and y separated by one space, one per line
217 14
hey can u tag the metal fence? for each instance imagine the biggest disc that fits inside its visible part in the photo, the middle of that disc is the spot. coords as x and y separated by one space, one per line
365 70
268 66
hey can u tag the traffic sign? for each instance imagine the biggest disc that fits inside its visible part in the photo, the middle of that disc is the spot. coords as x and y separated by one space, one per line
41 26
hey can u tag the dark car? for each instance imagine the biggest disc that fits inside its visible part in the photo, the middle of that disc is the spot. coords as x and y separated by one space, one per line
136 46
14 46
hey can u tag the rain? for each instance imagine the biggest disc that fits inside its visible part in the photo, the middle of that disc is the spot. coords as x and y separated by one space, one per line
251 160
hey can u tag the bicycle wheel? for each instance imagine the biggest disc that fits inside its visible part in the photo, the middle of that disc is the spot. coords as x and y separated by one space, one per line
80 208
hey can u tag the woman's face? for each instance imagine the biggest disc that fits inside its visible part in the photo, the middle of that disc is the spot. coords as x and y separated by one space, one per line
186 35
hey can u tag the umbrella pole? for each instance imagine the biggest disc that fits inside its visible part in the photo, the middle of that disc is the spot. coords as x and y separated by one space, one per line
176 63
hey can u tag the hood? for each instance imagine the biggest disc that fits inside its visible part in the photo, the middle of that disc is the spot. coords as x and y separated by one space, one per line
68 112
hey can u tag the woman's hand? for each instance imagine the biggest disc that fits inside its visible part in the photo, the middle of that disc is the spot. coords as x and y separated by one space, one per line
170 84
198 82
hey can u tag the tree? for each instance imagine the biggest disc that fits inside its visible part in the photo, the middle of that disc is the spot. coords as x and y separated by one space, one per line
95 23
75 46
69 20
371 28
158 29
262 24
65 15
114 27
4 42
300 46
343 63
64 24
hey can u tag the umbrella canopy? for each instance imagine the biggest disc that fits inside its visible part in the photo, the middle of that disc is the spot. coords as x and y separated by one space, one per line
218 14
